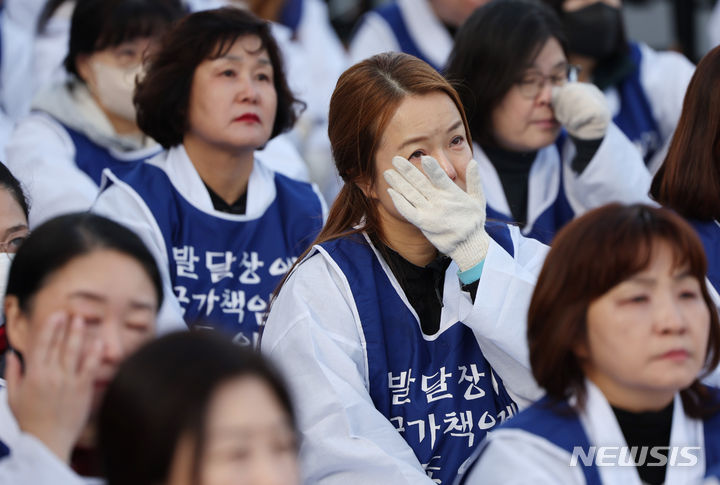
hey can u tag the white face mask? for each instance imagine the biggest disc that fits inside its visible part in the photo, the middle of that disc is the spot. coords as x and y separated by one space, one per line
5 263
114 87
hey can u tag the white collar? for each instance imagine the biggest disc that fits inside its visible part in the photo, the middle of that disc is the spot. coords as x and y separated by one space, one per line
185 178
427 30
602 429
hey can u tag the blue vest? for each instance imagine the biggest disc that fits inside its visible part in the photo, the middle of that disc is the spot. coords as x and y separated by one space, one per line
291 14
557 214
393 16
438 393
224 271
92 158
709 233
560 424
635 117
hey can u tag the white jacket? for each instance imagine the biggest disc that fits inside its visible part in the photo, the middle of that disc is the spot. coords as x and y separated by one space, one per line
664 76
30 461
616 173
314 334
122 204
513 456
427 31
41 153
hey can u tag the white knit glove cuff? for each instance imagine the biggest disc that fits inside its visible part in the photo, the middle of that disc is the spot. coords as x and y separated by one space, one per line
471 251
581 108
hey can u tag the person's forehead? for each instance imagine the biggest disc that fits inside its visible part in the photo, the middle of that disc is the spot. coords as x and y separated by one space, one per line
578 4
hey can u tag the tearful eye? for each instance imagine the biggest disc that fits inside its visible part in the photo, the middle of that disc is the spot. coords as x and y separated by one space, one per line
458 140
416 155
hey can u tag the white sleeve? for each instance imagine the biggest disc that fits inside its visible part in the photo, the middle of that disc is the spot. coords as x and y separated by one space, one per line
31 462
312 335
499 315
513 457
41 154
616 173
665 77
280 155
122 204
373 36
18 24
713 26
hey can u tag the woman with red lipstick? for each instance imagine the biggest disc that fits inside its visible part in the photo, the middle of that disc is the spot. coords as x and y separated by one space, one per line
621 327
83 293
223 227
546 148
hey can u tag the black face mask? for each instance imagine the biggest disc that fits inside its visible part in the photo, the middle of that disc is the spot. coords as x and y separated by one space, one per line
593 31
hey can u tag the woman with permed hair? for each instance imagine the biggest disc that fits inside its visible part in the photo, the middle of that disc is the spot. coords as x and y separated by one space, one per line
223 227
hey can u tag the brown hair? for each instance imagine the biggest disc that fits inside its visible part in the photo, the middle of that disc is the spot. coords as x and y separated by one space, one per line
266 9
689 179
365 99
589 256
162 97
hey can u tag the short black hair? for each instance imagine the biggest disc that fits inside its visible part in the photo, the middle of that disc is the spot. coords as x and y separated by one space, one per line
162 97
12 185
493 48
99 24
58 241
162 393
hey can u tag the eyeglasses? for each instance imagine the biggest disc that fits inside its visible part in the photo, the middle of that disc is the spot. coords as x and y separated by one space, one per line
13 243
532 83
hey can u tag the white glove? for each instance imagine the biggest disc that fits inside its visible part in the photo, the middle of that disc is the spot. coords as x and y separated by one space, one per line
581 109
453 220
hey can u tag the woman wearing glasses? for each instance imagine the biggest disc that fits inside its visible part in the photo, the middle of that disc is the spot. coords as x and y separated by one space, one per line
545 146
14 210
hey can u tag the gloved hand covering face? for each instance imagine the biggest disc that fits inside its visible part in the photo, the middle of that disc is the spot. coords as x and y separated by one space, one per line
450 218
582 109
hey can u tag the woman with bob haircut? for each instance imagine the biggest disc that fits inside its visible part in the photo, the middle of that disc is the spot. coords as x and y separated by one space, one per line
225 417
223 227
400 330
621 329
83 293
86 123
545 145
688 182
